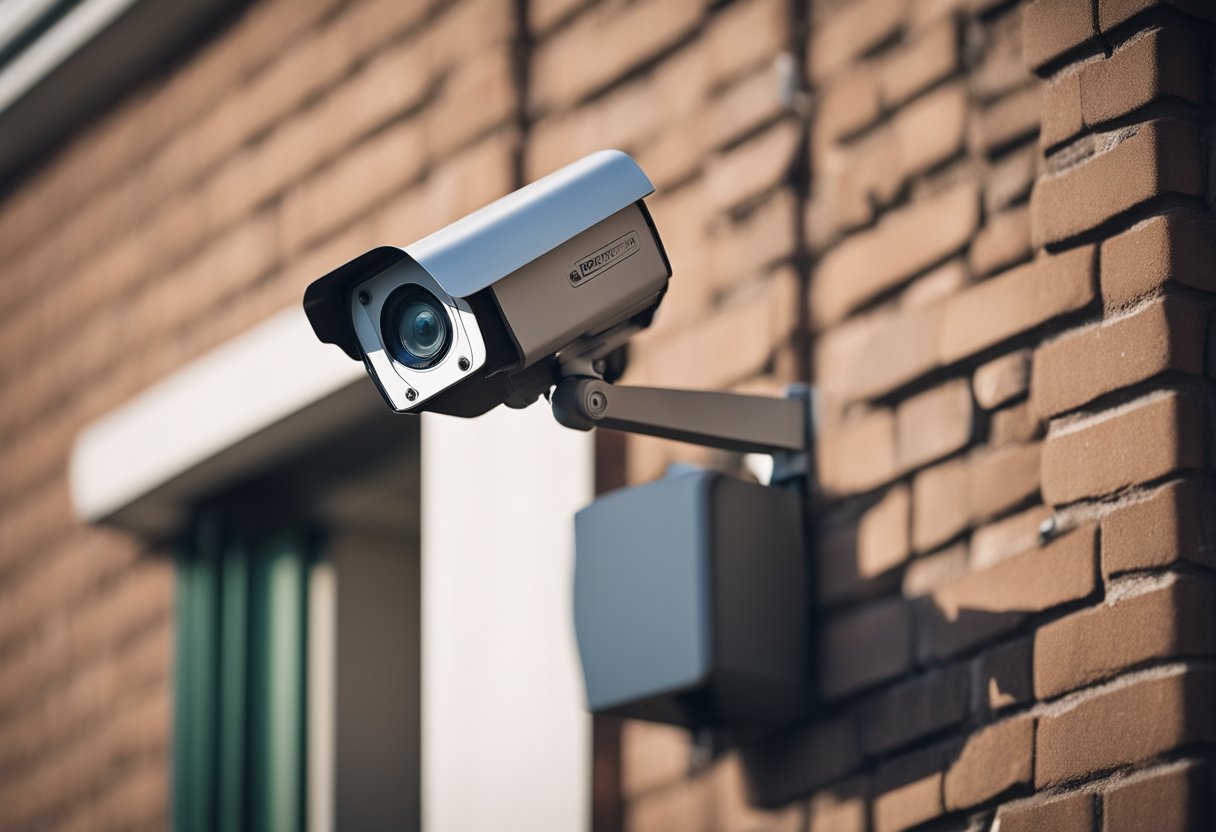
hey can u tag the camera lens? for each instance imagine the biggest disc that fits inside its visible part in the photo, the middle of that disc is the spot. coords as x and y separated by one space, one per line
417 327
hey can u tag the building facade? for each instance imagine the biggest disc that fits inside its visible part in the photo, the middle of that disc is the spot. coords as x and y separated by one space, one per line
982 228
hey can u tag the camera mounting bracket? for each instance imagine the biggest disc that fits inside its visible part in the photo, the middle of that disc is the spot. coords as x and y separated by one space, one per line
730 421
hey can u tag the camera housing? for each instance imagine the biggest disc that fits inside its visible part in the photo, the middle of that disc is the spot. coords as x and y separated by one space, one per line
483 311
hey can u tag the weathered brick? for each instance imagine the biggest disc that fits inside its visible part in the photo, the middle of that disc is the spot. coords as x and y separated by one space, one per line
1001 479
933 424
793 764
908 790
882 536
1161 64
1002 379
1168 335
1094 457
858 456
1063 813
1175 525
1093 645
853 31
904 243
1003 677
941 506
1061 118
1156 715
864 647
994 760
1016 302
1004 241
933 56
1113 12
1052 28
981 605
1174 798
914 709
1148 161
1162 251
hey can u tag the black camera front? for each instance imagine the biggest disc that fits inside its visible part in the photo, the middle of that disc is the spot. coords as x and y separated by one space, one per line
416 328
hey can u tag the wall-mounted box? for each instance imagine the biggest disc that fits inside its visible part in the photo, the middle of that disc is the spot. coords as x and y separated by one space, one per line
690 603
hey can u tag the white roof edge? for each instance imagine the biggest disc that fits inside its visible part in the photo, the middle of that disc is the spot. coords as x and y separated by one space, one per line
136 466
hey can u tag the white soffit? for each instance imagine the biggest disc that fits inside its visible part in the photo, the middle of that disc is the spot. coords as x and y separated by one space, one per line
228 414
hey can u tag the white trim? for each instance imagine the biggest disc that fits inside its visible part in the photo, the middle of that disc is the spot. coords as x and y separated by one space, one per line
139 465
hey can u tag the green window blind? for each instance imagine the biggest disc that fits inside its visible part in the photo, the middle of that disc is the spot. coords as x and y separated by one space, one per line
239 723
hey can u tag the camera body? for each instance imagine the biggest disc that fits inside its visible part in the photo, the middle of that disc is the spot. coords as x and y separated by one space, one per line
483 311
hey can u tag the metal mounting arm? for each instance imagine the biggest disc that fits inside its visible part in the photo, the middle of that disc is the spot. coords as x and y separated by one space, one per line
733 422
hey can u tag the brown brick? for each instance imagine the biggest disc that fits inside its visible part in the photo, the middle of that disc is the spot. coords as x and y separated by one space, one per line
914 709
882 537
796 762
743 250
904 242
933 56
1008 536
1016 423
858 456
926 573
936 285
933 424
1001 68
1061 118
1113 12
1167 335
560 73
1175 525
1017 301
931 130
1052 28
1174 798
1161 64
868 356
686 808
1001 479
1092 458
1010 120
1002 379
1011 177
994 760
841 808
864 647
1156 715
983 604
1157 158
853 31
1064 813
1094 645
908 791
748 170
732 809
652 756
749 103
745 35
1173 249
1003 677
1004 241
941 506
848 105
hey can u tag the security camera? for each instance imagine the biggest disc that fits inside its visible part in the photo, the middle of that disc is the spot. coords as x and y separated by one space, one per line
559 273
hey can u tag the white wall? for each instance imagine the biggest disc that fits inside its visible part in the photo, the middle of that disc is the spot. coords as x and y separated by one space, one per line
506 743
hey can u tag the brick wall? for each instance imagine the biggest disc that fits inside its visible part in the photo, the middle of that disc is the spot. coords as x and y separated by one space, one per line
981 227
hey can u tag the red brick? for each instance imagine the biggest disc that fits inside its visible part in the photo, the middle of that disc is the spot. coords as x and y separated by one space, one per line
882 536
868 356
851 32
1139 442
1174 798
1004 677
914 709
1093 645
933 56
1061 118
1159 65
995 759
941 506
908 791
858 456
1148 161
1064 813
1113 12
934 424
1002 379
1010 120
1004 241
928 572
1052 28
1173 249
981 605
904 243
1175 525
1168 335
1016 302
796 762
1155 715
864 647
1001 479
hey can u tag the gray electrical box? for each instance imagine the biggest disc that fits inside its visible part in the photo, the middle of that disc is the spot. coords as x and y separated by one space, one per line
690 603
